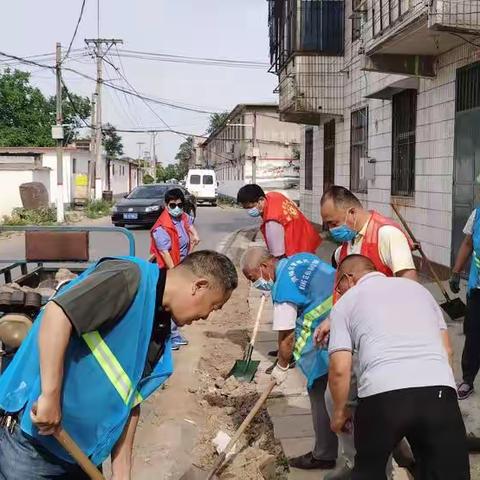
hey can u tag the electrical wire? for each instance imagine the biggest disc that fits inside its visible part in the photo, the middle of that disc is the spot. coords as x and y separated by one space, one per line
82 8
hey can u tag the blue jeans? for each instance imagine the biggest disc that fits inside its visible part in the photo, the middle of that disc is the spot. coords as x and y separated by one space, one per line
22 458
175 330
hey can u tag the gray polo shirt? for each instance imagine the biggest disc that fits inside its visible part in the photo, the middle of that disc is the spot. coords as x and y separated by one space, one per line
395 326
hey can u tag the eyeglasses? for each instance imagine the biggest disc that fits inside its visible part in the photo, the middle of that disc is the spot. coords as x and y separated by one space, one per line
173 205
338 289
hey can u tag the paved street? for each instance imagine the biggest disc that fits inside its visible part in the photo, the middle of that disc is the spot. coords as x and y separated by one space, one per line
213 224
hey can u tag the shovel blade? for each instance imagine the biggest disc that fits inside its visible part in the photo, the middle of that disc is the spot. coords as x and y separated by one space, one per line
244 370
455 308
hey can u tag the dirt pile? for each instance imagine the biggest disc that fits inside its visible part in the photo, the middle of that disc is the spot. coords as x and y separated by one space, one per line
227 402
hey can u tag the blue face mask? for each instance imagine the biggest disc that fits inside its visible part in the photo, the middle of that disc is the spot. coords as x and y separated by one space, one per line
343 233
254 212
263 285
175 212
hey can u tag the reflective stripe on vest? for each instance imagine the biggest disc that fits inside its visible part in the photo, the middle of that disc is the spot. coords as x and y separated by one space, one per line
308 320
476 259
111 367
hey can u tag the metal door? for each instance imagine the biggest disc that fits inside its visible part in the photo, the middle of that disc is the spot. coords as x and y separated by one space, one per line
467 151
328 154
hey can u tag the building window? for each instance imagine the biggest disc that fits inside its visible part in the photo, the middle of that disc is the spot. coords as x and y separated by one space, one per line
74 165
309 159
358 18
404 113
358 148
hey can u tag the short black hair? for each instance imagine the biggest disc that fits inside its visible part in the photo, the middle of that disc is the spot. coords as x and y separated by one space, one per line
250 194
214 265
174 194
341 197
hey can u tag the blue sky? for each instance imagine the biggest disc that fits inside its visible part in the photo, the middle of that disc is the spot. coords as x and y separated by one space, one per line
234 29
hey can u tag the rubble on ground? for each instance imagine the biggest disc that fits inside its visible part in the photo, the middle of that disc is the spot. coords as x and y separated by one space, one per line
226 402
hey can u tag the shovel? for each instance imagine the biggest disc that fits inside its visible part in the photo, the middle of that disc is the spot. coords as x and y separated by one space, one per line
196 473
67 442
453 307
245 369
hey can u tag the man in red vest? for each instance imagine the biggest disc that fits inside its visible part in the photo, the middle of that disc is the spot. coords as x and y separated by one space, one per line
285 229
382 240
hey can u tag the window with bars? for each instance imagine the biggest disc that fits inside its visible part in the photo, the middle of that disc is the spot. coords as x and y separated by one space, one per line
404 112
359 18
358 148
309 159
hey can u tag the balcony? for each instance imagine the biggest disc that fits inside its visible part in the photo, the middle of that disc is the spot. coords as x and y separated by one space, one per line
306 41
310 90
405 36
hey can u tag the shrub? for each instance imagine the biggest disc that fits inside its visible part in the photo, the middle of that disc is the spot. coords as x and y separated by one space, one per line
23 216
98 208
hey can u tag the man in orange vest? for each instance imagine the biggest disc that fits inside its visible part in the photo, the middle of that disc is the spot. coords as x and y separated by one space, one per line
382 240
285 229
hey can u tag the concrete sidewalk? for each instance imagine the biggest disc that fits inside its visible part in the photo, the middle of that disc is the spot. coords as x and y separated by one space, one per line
289 406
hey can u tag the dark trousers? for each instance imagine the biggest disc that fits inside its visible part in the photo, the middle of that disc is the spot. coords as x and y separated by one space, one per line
430 419
22 459
471 350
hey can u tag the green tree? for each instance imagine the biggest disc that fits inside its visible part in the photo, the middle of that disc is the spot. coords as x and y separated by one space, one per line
185 152
27 116
216 121
112 141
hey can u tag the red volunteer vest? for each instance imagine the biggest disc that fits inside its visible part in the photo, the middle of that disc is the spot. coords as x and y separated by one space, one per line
370 245
165 221
300 236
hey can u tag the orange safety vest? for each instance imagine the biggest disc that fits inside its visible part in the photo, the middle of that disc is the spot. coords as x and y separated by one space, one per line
370 244
300 236
165 221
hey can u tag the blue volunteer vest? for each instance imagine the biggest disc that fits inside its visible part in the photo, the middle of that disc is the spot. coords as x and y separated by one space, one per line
103 376
473 279
307 282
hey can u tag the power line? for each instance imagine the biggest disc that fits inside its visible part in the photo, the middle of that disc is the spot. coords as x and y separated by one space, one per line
82 8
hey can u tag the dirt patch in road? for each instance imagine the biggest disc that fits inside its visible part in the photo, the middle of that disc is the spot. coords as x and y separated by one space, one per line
179 423
226 401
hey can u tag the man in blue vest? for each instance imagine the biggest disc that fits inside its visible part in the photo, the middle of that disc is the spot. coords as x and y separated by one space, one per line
301 287
471 351
98 350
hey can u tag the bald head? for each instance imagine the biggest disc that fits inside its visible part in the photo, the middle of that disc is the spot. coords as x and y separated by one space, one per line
258 262
351 270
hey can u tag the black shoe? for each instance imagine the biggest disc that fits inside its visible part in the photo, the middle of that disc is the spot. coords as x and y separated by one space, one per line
273 353
309 462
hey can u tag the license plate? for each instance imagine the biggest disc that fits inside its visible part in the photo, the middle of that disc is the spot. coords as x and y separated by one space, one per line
130 216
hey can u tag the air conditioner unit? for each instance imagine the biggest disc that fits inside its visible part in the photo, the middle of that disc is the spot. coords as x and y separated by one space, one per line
367 168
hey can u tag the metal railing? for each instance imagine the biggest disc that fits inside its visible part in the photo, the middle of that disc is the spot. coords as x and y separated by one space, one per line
455 14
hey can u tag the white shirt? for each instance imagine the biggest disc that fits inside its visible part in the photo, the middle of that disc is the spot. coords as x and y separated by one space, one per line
395 325
275 238
468 229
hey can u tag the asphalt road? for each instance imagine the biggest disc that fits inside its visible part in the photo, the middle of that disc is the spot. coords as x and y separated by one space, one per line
214 224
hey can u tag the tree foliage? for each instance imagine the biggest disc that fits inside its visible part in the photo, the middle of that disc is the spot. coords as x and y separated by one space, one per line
112 141
27 115
185 153
171 171
216 121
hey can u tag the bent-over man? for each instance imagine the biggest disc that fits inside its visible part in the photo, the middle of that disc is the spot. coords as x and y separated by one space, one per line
405 382
301 287
95 353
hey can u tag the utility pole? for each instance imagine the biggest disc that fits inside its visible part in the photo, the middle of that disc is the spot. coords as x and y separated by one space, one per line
98 44
91 163
255 151
154 157
57 134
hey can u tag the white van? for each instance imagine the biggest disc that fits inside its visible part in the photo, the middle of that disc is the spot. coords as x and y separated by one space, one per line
202 183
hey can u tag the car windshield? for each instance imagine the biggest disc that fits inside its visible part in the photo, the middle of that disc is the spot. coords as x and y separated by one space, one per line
149 191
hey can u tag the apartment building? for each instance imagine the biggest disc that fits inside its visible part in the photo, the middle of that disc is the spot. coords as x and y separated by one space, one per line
389 95
254 146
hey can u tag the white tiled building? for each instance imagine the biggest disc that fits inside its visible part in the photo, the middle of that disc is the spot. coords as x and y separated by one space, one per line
394 115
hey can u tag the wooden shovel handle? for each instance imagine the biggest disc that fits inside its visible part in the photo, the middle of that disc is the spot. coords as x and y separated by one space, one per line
257 320
67 442
241 429
422 253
